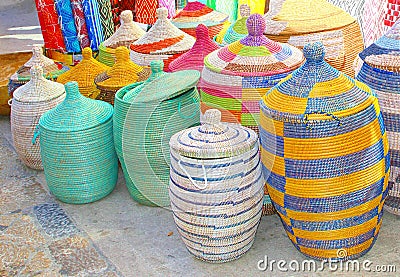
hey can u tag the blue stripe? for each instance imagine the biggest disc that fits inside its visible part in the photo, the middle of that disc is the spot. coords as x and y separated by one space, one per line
392 122
276 181
256 82
66 17
272 143
93 22
395 158
379 79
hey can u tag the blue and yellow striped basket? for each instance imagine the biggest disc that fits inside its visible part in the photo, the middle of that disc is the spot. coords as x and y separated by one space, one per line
325 159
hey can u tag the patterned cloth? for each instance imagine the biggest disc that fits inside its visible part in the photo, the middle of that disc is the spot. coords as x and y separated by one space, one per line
67 22
106 18
170 5
115 9
146 11
93 22
80 23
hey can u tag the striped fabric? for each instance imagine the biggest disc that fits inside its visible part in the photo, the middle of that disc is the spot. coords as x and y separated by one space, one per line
93 23
107 23
327 179
80 23
115 9
67 22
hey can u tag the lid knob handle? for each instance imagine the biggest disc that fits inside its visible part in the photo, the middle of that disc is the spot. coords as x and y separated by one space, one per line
157 66
314 52
72 91
256 25
87 53
162 13
126 16
121 54
212 117
36 72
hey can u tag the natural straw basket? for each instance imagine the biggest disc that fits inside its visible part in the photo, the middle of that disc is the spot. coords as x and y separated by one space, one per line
238 29
126 34
196 13
146 116
29 103
51 70
162 42
84 74
299 22
124 72
77 148
325 158
216 188
380 70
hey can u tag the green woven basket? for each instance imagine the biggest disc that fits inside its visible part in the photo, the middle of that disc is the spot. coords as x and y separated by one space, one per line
77 148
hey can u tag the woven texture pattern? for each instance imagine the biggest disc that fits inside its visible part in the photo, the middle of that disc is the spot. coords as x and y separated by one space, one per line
327 179
163 41
93 22
373 19
309 21
216 188
146 117
196 13
29 103
392 12
51 29
107 23
115 10
84 74
67 22
170 5
381 71
146 11
77 148
80 23
238 29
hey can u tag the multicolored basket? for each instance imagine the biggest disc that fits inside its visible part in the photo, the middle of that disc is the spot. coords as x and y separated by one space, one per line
196 13
77 148
51 70
146 117
126 34
29 103
124 72
299 22
238 29
216 188
380 70
163 41
84 74
327 179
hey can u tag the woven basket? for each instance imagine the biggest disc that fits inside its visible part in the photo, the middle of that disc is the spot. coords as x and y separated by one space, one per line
51 70
84 74
196 13
29 103
238 29
77 148
299 22
67 23
326 177
216 188
146 116
162 42
125 35
124 72
381 71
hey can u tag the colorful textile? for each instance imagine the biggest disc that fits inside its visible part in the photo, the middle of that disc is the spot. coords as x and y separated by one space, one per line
80 23
107 23
115 9
145 11
170 5
67 22
93 23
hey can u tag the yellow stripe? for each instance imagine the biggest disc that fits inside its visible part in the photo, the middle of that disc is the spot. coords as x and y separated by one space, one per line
385 143
271 126
330 147
253 94
274 163
235 47
278 101
320 188
377 107
332 87
276 196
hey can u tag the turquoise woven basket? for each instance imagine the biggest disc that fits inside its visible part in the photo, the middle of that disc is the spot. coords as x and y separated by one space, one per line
146 116
77 148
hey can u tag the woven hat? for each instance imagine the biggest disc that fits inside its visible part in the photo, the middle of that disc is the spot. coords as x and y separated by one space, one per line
299 22
163 41
29 103
127 33
124 72
84 74
51 69
320 165
196 13
77 149
194 58
216 188
238 29
380 69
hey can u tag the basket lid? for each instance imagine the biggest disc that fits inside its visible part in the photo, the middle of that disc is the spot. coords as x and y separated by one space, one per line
85 72
128 31
316 92
195 13
163 37
76 112
124 71
291 17
255 55
213 139
385 52
194 58
161 85
38 89
238 29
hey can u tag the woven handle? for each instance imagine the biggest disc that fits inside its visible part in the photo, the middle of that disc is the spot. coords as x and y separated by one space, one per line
197 110
36 134
320 112
191 179
9 102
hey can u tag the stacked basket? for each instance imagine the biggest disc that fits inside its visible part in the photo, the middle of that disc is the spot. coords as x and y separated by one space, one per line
29 103
146 116
77 148
126 34
299 22
84 74
196 13
216 188
381 71
326 177
162 42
